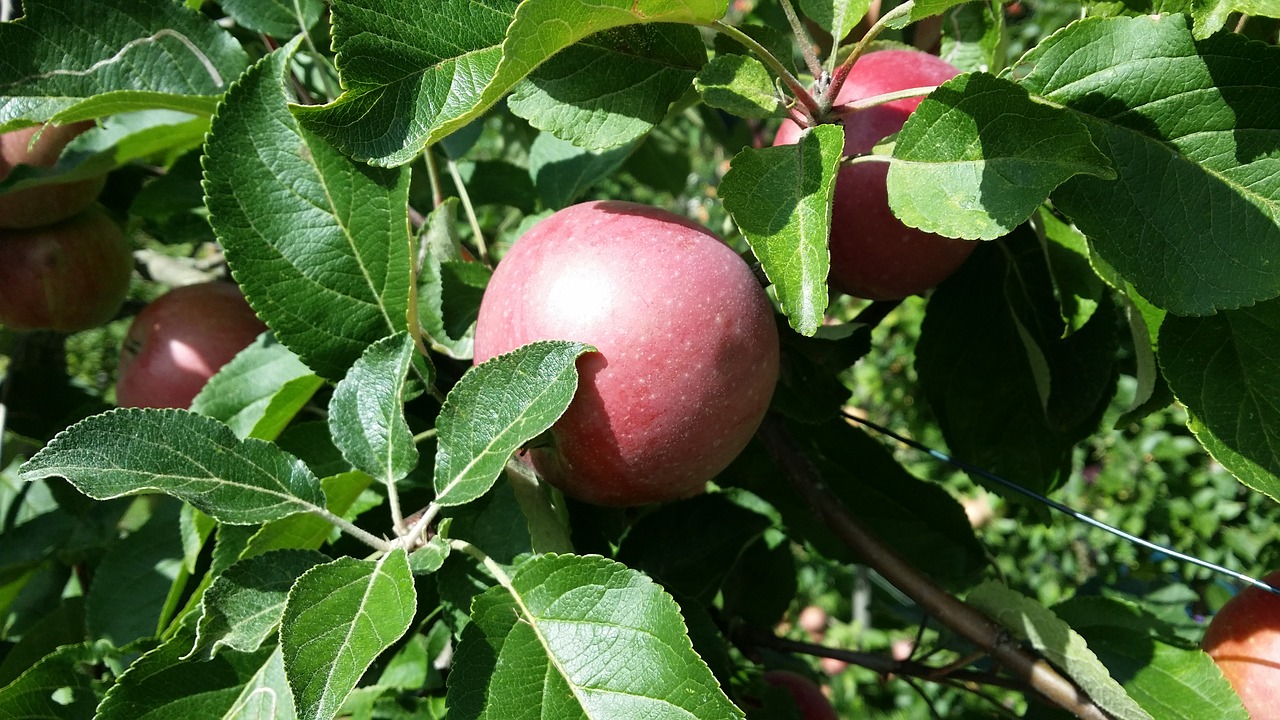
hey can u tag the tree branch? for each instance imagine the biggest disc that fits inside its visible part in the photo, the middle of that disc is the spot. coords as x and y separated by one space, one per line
966 620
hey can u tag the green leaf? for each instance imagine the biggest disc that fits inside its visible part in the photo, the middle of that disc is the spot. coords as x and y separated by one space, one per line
70 60
1212 15
1031 622
320 245
526 650
161 685
1193 219
979 156
1011 394
448 296
1169 681
837 17
973 37
132 583
780 197
563 171
340 616
739 84
306 531
1226 370
430 557
278 18
450 61
58 687
691 546
267 695
495 408
366 413
1076 286
193 458
260 391
613 87
928 8
243 605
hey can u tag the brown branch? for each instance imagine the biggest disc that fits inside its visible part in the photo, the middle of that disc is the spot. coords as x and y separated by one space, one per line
966 620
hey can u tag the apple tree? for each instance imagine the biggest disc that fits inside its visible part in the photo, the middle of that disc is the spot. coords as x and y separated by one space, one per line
638 359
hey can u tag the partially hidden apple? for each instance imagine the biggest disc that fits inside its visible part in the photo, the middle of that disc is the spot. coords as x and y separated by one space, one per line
873 254
1243 638
44 204
179 341
67 277
687 348
813 705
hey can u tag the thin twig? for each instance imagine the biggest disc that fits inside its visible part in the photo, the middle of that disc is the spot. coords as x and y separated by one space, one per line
803 40
883 99
355 531
966 620
842 72
481 248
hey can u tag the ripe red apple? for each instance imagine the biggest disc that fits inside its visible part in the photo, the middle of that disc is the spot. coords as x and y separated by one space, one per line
688 350
68 277
45 204
180 340
809 699
873 255
1244 640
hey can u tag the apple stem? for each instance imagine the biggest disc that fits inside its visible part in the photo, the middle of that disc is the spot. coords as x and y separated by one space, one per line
808 106
842 73
803 40
965 619
481 248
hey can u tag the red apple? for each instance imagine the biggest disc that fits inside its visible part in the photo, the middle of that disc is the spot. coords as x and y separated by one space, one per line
688 350
1244 640
45 204
68 277
873 255
180 340
813 705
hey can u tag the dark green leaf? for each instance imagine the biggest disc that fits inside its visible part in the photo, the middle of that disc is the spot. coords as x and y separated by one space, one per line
973 37
243 605
1226 370
58 687
1193 220
527 650
132 583
495 408
613 87
340 616
563 171
70 60
193 458
319 244
780 197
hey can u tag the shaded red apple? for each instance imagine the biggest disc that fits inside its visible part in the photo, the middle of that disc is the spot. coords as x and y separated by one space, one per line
68 277
808 696
45 204
1243 638
180 340
688 350
873 255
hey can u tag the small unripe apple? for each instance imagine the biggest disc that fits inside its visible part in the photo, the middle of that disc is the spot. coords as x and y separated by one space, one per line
687 348
813 705
67 277
1244 640
179 341
44 204
874 255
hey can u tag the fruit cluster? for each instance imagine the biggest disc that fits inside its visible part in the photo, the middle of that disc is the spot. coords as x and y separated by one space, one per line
64 262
